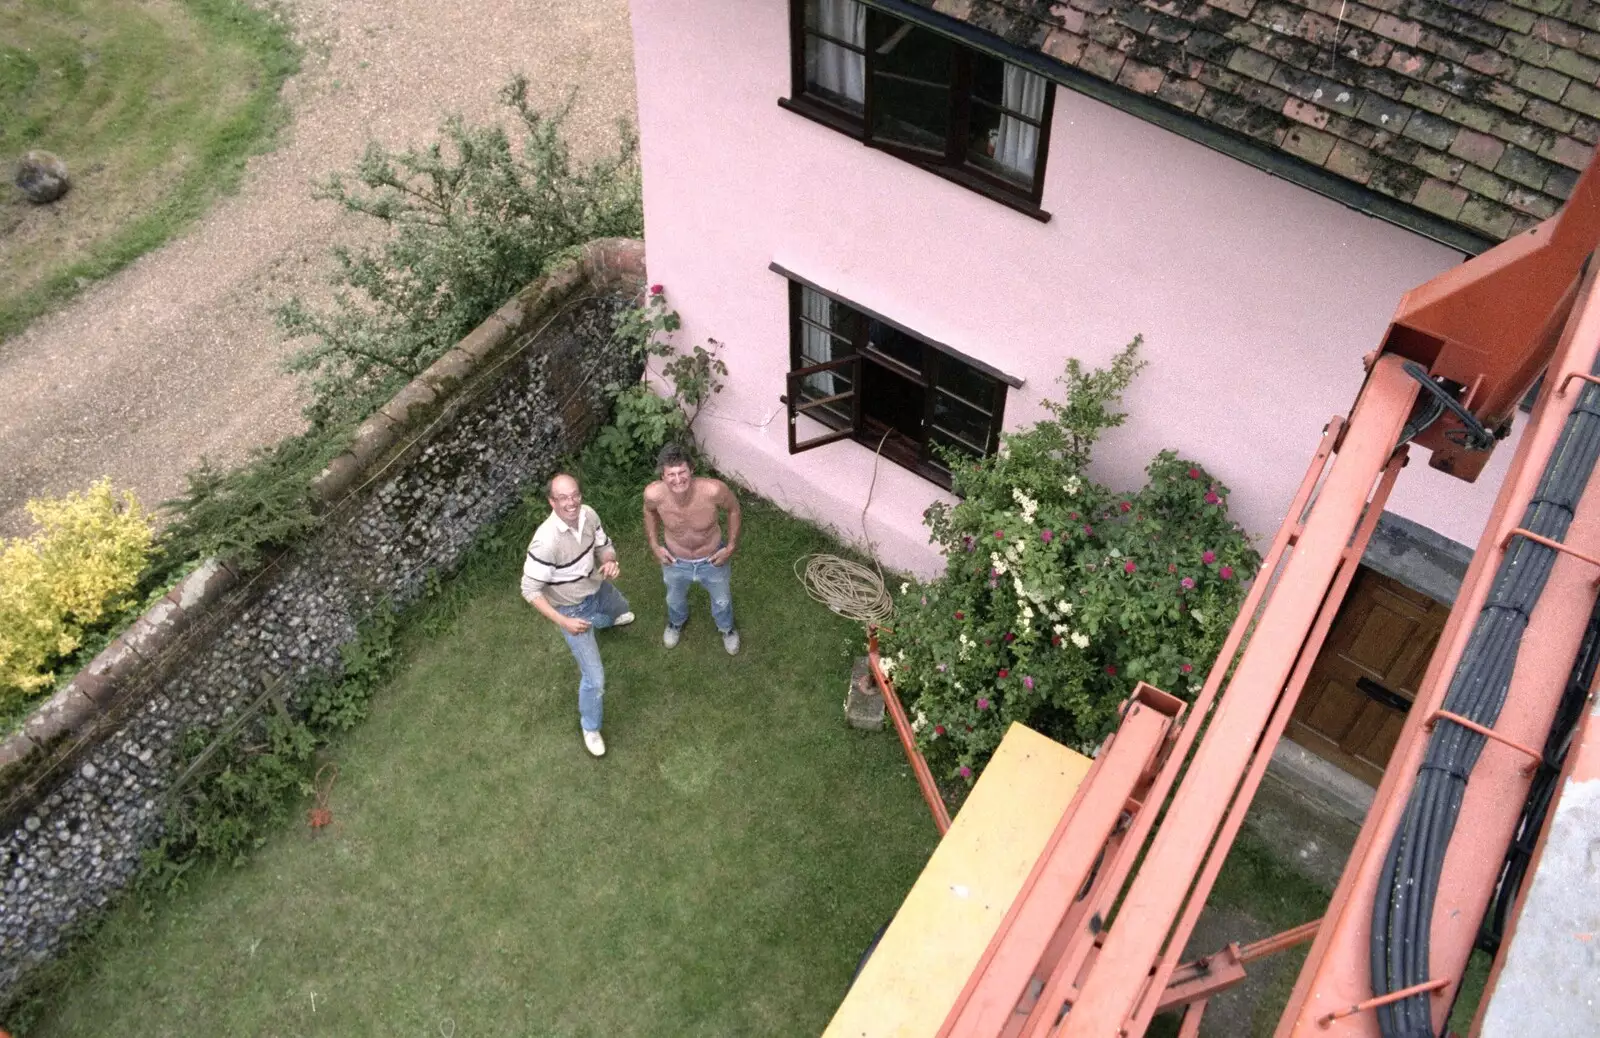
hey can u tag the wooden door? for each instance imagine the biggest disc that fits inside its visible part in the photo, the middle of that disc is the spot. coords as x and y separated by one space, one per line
1355 701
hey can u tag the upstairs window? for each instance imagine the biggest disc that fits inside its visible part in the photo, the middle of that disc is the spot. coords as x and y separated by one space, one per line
858 377
909 91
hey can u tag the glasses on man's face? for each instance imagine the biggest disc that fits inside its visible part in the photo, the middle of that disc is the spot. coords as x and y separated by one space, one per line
567 499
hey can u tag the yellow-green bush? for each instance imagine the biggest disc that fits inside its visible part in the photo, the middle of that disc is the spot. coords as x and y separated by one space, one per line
79 567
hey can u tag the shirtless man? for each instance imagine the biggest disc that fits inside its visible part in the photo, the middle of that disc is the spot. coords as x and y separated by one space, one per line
684 508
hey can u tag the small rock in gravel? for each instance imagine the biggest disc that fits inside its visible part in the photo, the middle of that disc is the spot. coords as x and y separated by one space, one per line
42 177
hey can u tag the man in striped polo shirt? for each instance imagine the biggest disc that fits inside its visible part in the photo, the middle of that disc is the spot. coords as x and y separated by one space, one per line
567 576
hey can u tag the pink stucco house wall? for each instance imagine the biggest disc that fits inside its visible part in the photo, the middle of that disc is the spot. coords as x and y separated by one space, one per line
1256 297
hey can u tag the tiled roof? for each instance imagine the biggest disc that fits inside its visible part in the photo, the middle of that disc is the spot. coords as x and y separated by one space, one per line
1481 112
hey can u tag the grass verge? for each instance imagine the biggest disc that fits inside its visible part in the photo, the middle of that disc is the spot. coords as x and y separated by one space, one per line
718 873
154 107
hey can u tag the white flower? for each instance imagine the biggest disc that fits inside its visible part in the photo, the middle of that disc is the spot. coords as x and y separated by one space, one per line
1005 448
905 588
1072 486
999 567
1199 617
1027 613
1061 628
886 664
1064 607
920 723
1080 639
901 655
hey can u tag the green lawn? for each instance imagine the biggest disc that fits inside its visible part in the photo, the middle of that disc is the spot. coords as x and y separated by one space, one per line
718 873
154 107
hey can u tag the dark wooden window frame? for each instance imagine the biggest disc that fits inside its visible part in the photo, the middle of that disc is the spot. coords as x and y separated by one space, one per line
920 459
953 166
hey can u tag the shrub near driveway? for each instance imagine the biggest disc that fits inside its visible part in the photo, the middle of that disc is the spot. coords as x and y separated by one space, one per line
1058 594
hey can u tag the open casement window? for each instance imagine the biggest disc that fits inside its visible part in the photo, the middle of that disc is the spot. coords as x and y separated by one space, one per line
924 97
865 379
825 393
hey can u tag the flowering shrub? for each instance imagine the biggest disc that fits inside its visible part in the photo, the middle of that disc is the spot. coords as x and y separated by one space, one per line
84 562
643 422
1060 594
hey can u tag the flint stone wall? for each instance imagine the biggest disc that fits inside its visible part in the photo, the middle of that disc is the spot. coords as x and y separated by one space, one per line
83 786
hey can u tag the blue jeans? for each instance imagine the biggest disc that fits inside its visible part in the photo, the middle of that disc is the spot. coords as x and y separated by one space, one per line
601 609
717 580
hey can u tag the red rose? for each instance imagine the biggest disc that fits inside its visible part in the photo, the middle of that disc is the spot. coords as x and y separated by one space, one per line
960 615
655 290
1111 670
1226 573
1209 557
1186 668
1126 507
1055 639
1004 672
1129 567
999 535
1171 568
1194 473
1010 637
938 729
1211 497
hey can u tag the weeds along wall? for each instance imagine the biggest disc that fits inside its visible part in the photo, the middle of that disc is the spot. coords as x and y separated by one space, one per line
84 786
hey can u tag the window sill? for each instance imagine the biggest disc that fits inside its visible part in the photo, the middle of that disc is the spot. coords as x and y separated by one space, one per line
842 123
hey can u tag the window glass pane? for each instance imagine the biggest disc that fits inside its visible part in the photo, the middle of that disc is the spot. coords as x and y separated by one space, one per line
988 78
959 423
912 70
890 399
966 383
830 314
1002 139
835 75
842 19
894 343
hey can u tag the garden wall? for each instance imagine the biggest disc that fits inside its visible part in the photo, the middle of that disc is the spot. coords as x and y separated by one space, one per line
83 786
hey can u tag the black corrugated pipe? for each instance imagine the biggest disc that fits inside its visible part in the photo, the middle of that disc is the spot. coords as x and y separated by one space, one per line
1541 792
1402 910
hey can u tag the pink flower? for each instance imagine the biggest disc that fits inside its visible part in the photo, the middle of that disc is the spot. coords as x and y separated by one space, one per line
983 704
1129 567
1055 639
1211 497
1046 536
938 729
1186 668
1126 507
1112 670
1187 582
1027 683
1088 531
1171 568
655 290
1004 672
1209 557
1226 573
999 535
960 615
1072 515
964 771
1194 473
1010 637
941 668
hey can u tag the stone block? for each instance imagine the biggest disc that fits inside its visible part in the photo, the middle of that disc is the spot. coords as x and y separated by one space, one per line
1521 133
1508 16
16 752
863 704
1574 154
1102 61
449 371
1065 47
64 713
1552 115
1141 78
1441 166
1429 99
415 398
1476 117
333 483
149 635
117 662
1399 30
1253 64
1575 65
1484 183
1384 113
1582 99
1532 202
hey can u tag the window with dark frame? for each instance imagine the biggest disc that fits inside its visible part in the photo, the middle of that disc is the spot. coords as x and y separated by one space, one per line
907 90
861 378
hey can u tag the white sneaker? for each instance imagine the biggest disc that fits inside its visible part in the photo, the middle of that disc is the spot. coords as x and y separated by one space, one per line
730 641
670 636
622 621
595 744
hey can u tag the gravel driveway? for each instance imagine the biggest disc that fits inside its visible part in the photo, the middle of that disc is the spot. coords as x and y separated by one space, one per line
177 357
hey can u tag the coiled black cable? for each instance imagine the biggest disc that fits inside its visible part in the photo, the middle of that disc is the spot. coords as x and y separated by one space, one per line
1402 910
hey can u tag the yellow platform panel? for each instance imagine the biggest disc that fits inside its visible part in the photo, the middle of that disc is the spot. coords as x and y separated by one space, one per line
912 979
